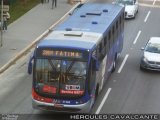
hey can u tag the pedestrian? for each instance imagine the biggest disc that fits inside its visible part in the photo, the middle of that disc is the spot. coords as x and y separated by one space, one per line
42 1
6 17
4 23
54 3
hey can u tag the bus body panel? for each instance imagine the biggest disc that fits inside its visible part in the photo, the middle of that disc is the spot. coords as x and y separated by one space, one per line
92 31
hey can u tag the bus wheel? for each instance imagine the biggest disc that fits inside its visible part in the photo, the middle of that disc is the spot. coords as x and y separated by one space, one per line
95 96
114 65
96 93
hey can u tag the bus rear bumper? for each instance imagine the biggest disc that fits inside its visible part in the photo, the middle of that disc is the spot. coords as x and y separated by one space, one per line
80 108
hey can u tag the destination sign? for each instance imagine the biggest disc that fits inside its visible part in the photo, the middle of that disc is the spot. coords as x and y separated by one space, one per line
59 53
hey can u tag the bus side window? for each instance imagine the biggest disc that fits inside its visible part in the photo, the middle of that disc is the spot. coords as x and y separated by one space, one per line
105 45
100 48
117 31
108 42
113 34
116 24
120 23
105 41
109 39
99 51
92 75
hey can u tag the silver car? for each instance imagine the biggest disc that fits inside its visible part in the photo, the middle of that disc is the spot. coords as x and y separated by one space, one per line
151 55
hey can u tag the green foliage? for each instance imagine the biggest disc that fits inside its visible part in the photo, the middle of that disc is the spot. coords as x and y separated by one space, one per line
20 7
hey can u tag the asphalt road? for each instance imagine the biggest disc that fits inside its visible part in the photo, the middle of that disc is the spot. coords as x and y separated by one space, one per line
128 90
133 90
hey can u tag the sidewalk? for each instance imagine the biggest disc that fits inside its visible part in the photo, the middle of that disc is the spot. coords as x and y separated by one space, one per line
26 29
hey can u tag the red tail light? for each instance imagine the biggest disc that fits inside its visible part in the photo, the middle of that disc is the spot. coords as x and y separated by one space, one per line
49 89
40 98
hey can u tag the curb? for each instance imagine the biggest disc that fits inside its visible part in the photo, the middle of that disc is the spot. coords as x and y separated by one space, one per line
24 51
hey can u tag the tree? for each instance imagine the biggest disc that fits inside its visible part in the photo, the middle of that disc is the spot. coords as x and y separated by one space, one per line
24 2
5 2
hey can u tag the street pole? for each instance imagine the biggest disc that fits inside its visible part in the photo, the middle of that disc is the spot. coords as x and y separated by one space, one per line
1 23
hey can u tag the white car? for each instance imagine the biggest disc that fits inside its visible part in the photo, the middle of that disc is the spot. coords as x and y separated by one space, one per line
131 7
151 55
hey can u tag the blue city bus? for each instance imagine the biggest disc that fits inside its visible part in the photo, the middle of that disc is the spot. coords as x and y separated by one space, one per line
72 63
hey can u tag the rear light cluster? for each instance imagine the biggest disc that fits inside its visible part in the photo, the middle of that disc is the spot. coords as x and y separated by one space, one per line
40 98
49 89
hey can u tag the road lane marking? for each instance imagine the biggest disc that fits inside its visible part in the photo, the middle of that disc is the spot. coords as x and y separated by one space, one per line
103 101
138 34
145 20
154 2
148 5
124 61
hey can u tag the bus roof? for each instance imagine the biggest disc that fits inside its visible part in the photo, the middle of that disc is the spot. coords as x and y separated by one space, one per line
92 17
84 28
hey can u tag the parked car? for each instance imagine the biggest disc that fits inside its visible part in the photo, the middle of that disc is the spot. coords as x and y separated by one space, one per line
151 55
131 7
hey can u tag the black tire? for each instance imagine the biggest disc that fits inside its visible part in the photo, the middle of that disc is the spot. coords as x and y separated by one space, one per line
134 16
95 97
114 64
96 93
141 68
